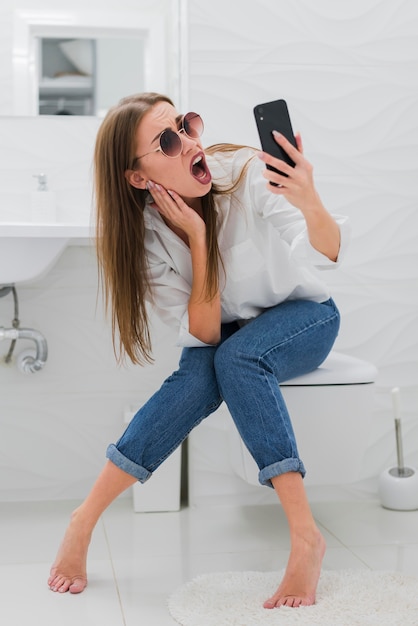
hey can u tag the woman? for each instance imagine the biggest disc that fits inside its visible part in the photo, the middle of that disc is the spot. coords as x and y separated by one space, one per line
227 259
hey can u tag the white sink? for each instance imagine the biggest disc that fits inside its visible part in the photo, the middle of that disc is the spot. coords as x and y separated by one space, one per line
28 251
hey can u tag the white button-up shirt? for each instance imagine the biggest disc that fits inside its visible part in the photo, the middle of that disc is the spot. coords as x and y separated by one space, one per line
263 242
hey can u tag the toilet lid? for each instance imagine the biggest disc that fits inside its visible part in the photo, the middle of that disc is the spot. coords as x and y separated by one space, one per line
338 369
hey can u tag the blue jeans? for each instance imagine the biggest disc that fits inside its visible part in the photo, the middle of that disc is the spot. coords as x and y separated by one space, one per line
244 370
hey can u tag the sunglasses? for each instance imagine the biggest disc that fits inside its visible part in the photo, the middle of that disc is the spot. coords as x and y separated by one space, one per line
171 144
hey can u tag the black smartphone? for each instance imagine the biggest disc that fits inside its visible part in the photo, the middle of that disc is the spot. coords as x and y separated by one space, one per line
271 116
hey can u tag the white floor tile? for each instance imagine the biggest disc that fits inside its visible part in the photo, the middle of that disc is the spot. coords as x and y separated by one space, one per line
200 530
342 558
399 558
264 561
258 560
145 585
367 523
137 560
26 598
32 532
142 533
233 529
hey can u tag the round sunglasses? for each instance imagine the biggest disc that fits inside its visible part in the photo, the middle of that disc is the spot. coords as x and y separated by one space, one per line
171 144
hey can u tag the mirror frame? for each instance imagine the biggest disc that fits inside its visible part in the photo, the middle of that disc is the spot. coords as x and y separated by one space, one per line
29 25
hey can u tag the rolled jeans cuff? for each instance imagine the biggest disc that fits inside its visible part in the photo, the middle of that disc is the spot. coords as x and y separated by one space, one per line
281 467
125 464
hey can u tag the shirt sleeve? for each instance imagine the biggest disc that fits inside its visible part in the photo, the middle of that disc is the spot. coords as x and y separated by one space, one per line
290 222
170 300
302 247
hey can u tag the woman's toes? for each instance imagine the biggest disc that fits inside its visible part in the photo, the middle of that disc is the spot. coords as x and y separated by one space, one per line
63 588
53 582
277 601
293 602
57 583
78 585
61 584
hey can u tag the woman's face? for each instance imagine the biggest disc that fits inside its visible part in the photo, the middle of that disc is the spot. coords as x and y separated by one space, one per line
186 174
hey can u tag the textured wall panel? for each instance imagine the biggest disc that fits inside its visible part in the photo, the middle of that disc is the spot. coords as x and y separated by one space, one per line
349 73
318 33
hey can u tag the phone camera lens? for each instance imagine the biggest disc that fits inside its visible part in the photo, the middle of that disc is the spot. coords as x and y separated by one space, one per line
261 110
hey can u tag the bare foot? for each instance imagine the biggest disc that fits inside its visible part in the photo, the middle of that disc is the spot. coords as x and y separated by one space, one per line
298 587
68 573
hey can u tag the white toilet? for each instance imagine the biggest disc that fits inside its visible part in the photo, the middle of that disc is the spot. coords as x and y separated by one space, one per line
331 411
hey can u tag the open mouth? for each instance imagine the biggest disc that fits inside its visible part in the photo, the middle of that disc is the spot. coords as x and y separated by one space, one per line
200 170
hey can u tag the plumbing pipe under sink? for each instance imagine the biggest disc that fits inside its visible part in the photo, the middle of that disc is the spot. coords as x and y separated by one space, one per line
29 363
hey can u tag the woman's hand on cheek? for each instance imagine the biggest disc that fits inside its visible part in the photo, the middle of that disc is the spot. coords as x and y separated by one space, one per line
171 206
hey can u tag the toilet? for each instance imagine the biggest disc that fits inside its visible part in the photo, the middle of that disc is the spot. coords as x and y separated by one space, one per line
331 410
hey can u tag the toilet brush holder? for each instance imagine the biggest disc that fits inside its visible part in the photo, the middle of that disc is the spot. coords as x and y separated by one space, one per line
398 486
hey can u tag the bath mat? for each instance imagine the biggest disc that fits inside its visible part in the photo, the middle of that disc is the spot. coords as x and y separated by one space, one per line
344 598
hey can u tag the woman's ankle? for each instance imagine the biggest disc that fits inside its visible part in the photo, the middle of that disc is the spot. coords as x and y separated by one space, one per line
83 521
309 533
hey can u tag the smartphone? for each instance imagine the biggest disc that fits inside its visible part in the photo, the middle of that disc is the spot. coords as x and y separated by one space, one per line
271 116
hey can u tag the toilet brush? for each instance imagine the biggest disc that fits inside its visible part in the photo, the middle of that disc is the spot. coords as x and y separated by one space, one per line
398 486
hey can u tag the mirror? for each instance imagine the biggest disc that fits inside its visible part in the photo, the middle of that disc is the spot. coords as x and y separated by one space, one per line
87 76
82 63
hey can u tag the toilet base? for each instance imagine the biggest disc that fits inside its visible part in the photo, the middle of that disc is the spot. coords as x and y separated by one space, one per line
332 442
332 414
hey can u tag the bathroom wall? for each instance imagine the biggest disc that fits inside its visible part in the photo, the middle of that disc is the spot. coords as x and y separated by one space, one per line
348 71
55 425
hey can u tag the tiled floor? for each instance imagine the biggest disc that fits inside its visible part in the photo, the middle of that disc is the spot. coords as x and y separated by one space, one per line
137 560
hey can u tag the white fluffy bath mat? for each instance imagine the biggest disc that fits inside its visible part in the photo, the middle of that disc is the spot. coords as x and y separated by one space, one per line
344 598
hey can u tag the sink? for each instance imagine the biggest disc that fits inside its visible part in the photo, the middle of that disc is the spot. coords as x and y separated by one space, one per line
28 251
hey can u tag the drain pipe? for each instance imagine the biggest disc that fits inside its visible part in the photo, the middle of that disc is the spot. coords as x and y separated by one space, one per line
30 363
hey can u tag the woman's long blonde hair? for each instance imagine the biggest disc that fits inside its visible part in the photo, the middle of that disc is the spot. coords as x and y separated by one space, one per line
121 230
